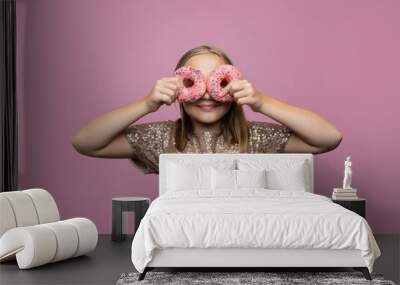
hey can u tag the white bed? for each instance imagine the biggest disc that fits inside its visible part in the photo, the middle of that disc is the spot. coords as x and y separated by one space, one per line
250 227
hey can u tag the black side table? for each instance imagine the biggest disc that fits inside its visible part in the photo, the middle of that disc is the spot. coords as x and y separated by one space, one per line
139 205
357 206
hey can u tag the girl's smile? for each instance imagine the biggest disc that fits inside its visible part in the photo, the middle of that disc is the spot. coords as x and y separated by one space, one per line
208 105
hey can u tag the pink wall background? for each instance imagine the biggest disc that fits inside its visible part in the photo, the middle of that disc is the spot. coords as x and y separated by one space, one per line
78 59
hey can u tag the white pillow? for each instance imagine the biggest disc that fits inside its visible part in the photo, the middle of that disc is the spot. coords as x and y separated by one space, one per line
287 179
251 178
182 177
228 179
281 174
223 179
185 175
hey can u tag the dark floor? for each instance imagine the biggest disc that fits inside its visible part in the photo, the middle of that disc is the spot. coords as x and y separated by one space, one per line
110 259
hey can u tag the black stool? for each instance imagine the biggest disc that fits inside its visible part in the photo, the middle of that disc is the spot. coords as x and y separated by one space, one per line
139 205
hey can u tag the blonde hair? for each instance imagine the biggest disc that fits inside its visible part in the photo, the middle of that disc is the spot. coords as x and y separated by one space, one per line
234 124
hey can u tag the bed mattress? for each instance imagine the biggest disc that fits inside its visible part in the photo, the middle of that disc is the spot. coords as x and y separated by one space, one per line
250 218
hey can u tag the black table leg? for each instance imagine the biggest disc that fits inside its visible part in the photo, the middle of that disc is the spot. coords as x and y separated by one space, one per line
139 205
117 234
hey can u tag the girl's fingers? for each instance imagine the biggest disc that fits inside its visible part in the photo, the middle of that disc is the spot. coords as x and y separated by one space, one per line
166 99
233 86
171 79
167 91
172 96
178 82
240 94
244 100
171 86
227 88
237 85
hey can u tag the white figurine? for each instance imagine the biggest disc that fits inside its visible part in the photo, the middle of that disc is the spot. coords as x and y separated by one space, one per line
347 174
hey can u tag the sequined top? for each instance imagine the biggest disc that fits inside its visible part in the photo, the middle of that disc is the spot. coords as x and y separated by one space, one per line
150 139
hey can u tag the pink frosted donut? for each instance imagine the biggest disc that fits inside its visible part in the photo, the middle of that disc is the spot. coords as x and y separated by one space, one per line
198 87
224 73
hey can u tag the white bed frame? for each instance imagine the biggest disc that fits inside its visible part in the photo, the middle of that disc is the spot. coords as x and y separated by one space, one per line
250 257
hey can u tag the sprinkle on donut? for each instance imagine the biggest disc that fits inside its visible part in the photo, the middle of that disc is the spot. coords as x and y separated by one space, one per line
224 73
198 87
218 79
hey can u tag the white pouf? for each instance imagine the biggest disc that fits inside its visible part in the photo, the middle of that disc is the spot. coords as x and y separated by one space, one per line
31 232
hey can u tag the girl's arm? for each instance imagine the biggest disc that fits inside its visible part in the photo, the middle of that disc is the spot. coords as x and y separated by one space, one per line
312 133
104 135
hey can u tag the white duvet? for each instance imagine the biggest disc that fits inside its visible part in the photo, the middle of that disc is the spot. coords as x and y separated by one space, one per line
250 218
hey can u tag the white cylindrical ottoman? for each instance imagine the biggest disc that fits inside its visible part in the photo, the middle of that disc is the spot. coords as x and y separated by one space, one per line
51 242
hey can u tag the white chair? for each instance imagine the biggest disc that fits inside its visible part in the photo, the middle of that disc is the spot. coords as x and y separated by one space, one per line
31 231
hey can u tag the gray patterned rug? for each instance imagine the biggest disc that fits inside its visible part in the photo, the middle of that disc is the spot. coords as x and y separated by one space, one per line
275 278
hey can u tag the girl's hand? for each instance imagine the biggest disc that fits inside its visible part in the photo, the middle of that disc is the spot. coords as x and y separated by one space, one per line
243 92
163 92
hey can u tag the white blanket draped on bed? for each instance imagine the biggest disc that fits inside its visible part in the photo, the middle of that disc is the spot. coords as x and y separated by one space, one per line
252 218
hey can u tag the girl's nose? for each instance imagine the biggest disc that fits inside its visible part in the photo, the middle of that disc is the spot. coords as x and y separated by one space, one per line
206 96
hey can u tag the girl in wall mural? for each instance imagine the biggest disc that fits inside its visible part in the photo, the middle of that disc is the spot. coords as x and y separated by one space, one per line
205 125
